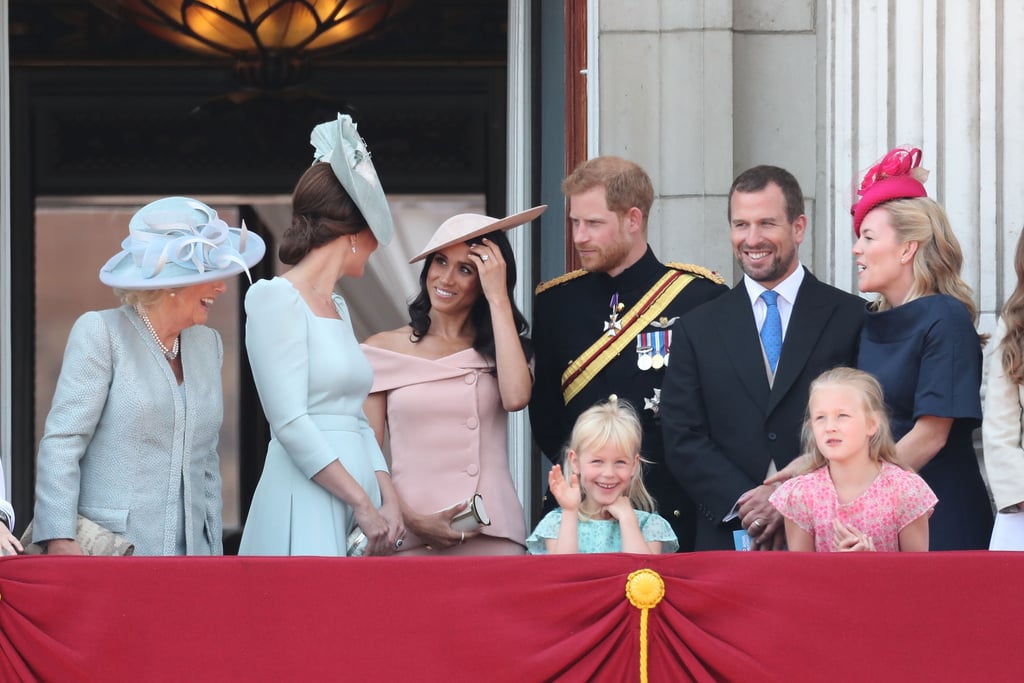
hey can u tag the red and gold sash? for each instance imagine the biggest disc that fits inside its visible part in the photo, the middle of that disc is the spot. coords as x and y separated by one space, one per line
592 361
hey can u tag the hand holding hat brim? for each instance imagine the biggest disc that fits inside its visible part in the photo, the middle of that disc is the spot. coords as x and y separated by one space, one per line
466 226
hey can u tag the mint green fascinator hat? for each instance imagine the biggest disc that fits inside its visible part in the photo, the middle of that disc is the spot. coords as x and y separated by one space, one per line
177 242
338 143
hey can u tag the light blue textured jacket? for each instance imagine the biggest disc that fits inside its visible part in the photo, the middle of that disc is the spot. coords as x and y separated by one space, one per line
124 447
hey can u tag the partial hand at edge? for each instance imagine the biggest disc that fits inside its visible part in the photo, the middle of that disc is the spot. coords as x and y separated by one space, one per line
375 528
63 546
761 520
567 493
798 465
850 539
9 543
435 529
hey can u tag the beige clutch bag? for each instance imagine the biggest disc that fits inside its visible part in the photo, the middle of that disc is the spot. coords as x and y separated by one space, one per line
473 517
93 539
470 519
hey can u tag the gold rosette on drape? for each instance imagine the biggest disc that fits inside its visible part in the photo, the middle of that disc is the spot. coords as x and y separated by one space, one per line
644 589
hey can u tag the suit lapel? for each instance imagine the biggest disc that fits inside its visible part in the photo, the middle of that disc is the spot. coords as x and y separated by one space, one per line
810 315
742 345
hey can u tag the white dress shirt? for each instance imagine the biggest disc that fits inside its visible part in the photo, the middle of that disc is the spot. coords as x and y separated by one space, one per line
787 291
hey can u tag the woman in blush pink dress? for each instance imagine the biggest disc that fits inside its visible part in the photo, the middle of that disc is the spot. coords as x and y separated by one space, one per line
444 385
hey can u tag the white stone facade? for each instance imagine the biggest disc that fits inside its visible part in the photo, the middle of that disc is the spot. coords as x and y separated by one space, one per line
698 90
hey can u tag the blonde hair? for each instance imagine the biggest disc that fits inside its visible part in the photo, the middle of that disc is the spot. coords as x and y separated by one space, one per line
1012 346
141 297
881 445
612 422
939 259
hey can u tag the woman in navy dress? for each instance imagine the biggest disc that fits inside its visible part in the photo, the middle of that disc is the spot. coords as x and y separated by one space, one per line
919 340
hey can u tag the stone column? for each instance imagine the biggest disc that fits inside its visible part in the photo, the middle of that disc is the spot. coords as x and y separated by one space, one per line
945 76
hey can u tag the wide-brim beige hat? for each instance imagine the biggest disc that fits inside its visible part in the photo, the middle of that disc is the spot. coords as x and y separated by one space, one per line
465 226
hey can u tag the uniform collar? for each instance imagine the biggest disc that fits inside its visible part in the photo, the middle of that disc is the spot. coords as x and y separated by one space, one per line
639 275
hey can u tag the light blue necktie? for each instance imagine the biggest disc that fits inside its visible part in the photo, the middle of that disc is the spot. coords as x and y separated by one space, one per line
771 331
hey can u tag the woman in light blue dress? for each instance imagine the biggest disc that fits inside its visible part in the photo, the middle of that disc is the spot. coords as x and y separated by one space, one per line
324 473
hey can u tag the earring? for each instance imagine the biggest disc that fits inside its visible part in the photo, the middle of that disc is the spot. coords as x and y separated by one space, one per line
353 245
174 294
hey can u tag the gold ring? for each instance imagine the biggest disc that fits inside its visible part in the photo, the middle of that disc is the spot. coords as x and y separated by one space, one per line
757 522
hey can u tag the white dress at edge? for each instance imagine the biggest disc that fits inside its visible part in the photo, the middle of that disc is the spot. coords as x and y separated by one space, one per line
1003 435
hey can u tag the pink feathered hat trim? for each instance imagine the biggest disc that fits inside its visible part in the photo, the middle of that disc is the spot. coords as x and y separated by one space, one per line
891 178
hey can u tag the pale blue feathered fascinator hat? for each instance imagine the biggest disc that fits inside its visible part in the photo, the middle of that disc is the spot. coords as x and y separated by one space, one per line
338 143
177 242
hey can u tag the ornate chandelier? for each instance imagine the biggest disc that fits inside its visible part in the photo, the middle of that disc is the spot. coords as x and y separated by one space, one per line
270 40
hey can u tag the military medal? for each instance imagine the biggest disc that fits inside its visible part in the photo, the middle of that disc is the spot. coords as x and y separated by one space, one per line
643 351
663 322
653 404
658 342
614 324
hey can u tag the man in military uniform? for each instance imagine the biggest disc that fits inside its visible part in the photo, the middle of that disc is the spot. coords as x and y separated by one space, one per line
607 328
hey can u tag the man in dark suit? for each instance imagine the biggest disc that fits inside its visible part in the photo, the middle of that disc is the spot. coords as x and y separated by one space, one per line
735 395
608 327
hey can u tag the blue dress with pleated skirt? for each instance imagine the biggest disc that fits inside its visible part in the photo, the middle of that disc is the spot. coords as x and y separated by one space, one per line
312 380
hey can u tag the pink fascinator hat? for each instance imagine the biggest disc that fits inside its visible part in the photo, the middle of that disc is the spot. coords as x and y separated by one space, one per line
897 176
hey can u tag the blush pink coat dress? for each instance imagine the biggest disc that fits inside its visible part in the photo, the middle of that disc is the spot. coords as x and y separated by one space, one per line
447 437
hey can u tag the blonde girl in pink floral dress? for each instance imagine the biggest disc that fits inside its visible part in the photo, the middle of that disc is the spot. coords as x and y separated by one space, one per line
856 496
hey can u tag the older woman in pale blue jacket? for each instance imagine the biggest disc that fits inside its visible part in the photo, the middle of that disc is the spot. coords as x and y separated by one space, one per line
131 438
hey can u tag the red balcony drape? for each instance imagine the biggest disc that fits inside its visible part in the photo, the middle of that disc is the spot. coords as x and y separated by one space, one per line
724 616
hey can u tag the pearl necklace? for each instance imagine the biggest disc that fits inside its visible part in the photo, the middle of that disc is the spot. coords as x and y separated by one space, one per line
170 354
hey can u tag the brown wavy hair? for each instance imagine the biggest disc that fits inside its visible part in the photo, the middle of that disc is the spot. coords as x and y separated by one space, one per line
1012 346
322 211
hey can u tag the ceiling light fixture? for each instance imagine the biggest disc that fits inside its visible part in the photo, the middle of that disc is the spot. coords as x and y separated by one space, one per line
269 40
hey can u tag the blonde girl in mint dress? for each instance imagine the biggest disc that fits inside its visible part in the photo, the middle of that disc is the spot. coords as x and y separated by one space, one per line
603 505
